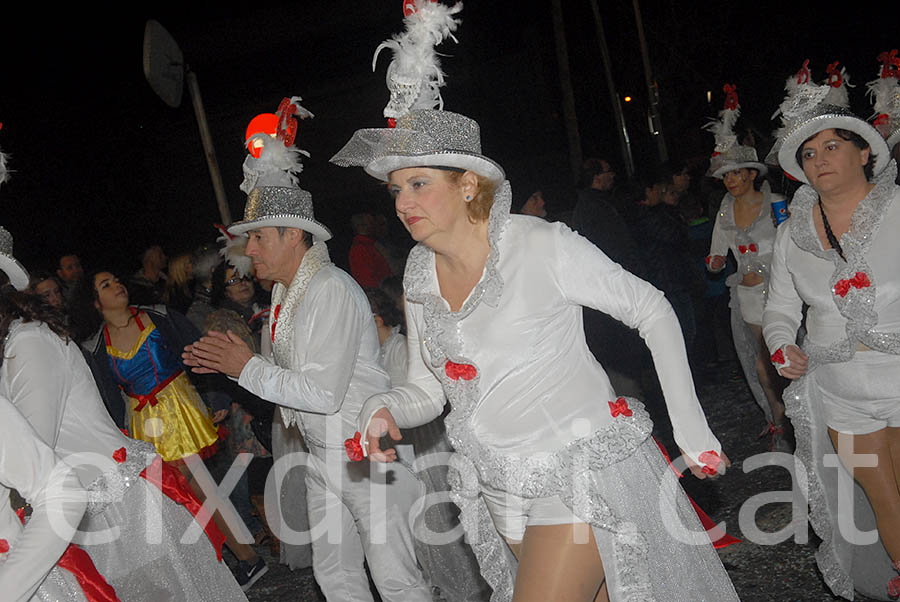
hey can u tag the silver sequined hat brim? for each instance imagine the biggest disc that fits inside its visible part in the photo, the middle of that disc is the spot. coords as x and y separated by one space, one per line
274 206
424 137
15 271
825 117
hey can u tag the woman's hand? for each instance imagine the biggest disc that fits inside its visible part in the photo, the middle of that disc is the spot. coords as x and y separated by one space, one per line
716 263
697 470
798 362
381 422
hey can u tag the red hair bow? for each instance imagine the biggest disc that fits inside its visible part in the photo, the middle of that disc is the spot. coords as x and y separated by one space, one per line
620 406
890 64
803 74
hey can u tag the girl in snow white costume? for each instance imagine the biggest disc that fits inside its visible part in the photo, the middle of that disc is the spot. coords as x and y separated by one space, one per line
547 455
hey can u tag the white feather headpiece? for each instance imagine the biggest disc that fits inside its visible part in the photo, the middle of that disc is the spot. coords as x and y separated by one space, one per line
279 163
884 92
4 172
414 77
232 251
723 127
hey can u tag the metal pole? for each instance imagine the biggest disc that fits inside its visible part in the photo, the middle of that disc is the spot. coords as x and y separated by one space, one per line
565 81
208 148
624 140
652 89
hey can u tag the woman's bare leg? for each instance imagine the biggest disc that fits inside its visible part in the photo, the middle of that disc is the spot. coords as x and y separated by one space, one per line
768 378
241 550
552 566
880 482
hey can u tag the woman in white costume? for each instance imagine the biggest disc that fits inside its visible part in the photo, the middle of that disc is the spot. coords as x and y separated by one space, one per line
132 528
562 492
744 226
838 253
29 553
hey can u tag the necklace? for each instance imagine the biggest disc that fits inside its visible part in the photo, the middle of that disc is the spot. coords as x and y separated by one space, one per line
829 234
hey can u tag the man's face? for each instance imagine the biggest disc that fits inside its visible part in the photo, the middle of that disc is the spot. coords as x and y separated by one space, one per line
273 253
70 268
605 179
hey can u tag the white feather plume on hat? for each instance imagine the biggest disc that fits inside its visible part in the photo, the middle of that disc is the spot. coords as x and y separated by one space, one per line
232 252
4 172
414 77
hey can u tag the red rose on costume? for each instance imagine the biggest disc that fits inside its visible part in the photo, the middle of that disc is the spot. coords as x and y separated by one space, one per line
752 247
20 512
119 455
354 448
711 460
708 258
778 357
619 407
125 432
742 249
4 546
456 371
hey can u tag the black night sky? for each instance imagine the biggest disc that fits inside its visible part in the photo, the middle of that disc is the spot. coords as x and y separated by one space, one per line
104 168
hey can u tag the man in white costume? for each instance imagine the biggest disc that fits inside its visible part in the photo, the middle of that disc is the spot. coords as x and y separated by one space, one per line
320 362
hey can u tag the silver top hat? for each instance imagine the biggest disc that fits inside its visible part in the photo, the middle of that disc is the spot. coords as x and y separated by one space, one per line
15 271
737 156
273 206
422 138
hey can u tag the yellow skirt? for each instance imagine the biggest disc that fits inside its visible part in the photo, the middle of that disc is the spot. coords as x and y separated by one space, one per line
178 424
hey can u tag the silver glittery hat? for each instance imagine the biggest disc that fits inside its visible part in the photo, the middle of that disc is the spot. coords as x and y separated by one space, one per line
421 134
274 197
885 94
729 154
15 271
422 138
814 108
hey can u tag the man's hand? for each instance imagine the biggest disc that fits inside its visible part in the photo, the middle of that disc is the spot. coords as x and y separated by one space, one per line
382 422
218 352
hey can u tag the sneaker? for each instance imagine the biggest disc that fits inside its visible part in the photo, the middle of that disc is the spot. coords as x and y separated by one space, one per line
247 575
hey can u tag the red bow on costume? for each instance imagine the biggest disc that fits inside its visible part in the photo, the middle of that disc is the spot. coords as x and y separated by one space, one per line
711 460
143 400
777 357
620 406
889 64
744 248
731 97
354 448
859 280
835 79
457 371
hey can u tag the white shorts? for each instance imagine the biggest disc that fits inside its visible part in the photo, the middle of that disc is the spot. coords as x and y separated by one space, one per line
753 301
862 395
512 513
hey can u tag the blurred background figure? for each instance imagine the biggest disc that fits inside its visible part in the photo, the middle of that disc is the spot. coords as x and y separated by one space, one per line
178 293
147 285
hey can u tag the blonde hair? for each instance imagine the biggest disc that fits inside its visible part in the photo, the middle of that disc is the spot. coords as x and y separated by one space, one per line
178 277
479 208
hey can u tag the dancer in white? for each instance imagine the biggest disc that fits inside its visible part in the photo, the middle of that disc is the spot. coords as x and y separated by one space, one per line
29 553
320 363
564 495
745 226
838 254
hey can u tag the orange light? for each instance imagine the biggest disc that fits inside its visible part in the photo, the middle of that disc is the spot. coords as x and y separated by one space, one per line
264 123
627 99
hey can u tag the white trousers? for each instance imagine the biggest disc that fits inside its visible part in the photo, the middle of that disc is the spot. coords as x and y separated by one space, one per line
360 511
